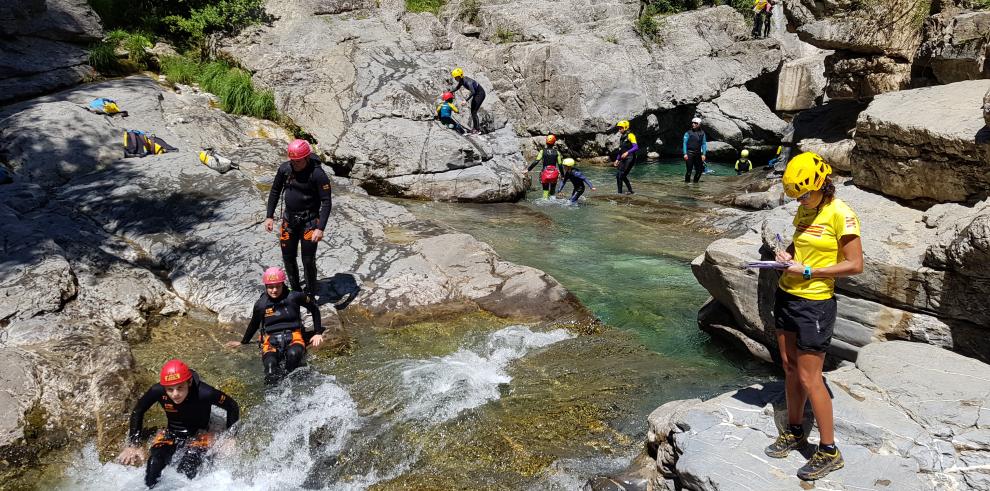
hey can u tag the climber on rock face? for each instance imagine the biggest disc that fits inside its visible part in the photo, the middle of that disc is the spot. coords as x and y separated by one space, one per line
476 95
625 158
446 111
695 150
278 315
187 403
307 208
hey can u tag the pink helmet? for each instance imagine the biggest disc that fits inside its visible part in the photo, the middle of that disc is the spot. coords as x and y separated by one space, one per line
273 276
299 149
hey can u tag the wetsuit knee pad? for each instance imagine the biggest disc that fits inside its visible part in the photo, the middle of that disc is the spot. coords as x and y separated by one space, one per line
293 356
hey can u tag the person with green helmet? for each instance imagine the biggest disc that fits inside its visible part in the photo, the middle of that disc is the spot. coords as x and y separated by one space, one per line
476 95
743 164
551 159
625 158
826 245
576 178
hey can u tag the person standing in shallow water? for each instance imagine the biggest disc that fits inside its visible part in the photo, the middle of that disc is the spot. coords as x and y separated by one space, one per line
307 208
826 245
695 150
625 158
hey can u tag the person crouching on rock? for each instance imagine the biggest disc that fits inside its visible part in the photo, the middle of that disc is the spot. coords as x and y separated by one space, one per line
576 178
278 315
551 159
307 208
626 156
187 402
476 95
826 246
445 113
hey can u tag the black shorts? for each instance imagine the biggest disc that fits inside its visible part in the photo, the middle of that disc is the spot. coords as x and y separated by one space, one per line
812 320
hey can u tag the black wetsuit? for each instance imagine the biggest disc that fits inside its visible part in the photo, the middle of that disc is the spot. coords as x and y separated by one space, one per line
476 98
695 146
187 425
547 157
630 147
307 207
280 320
576 178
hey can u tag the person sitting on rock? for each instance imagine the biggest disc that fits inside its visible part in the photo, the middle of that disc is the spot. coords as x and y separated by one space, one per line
773 162
307 209
576 178
278 315
476 97
695 150
743 164
551 160
187 402
826 245
625 158
445 113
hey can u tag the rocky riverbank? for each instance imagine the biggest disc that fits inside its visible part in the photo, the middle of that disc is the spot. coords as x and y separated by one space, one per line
97 248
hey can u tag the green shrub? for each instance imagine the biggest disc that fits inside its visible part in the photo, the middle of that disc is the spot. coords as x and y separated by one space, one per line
430 6
236 92
135 44
648 27
504 35
471 8
103 57
180 70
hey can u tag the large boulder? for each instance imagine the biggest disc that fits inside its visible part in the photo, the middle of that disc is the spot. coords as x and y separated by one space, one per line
956 45
42 46
922 144
740 118
896 429
368 94
905 291
801 83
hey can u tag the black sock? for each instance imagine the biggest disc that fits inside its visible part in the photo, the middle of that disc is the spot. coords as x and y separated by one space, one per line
796 430
829 449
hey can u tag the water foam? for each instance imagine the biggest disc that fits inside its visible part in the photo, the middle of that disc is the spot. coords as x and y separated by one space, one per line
441 387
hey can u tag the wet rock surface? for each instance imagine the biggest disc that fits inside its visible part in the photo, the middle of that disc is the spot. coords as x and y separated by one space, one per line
105 245
902 421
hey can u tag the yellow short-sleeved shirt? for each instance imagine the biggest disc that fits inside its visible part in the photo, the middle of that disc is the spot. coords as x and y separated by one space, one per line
816 244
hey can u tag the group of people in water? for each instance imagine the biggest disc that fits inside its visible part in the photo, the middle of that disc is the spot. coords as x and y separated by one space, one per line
826 245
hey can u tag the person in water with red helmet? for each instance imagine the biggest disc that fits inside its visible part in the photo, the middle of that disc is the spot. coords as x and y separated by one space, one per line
306 190
278 315
187 402
551 160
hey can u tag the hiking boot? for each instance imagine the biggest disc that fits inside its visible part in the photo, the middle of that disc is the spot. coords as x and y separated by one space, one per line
820 465
786 442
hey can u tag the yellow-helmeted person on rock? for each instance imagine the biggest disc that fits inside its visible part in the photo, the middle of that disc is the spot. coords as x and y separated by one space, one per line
826 245
476 95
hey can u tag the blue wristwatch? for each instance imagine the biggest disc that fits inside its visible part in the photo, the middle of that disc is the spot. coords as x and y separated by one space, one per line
807 272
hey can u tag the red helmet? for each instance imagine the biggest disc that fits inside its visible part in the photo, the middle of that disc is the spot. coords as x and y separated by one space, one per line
551 139
174 372
273 276
299 149
447 96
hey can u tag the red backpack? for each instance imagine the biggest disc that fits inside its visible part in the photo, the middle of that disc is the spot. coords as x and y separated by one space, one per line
549 174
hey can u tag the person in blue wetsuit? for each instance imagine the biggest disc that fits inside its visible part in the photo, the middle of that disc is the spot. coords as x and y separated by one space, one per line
695 150
446 111
626 156
576 178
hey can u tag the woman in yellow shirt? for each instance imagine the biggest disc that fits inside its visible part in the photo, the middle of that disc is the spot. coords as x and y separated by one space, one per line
826 246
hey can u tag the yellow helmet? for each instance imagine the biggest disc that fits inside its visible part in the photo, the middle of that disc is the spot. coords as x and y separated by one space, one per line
569 162
744 153
806 172
457 72
623 124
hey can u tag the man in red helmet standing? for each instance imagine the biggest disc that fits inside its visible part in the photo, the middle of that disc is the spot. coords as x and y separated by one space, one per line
306 190
187 402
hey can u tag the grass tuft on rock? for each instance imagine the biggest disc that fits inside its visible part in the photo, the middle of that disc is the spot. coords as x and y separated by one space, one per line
103 57
429 6
232 85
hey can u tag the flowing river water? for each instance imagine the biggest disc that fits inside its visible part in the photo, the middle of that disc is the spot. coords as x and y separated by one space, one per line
473 401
